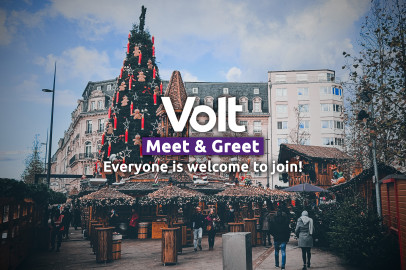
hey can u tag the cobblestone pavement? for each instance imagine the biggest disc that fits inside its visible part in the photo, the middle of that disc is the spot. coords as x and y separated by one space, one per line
146 254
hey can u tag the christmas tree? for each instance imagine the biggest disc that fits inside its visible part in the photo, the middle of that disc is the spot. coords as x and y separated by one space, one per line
132 114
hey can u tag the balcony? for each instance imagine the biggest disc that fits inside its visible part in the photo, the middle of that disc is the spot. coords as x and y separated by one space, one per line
82 156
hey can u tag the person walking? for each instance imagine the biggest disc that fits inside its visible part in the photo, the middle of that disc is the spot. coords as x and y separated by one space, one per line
133 225
67 221
197 226
280 231
57 224
212 224
230 216
76 218
304 231
264 220
113 219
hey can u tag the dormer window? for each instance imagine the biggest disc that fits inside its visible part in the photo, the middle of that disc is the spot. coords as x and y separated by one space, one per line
244 103
257 104
256 91
225 91
195 90
99 87
108 87
208 101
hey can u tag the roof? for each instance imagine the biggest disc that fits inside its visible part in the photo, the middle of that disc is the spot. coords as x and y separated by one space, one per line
172 195
235 89
311 152
107 196
176 92
394 176
299 70
364 176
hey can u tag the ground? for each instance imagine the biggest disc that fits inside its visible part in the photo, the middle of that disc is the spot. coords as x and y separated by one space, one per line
146 254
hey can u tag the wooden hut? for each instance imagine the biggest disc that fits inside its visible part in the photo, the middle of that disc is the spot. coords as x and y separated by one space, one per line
362 184
317 163
393 201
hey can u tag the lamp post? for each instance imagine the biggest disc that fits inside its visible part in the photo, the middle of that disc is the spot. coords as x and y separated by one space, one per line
50 133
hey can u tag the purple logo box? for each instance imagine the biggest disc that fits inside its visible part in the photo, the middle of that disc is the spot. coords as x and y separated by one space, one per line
221 146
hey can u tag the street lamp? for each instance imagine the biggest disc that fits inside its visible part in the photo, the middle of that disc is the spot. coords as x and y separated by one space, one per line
50 133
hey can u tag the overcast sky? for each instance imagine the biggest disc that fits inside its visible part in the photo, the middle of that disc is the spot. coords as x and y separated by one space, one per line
210 40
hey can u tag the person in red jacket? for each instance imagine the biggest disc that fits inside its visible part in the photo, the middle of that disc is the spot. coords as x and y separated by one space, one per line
133 226
57 225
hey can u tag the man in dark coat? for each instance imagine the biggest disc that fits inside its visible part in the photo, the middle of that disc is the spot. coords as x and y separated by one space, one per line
281 233
198 221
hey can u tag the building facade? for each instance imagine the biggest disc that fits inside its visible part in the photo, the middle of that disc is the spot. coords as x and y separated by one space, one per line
297 107
78 149
306 108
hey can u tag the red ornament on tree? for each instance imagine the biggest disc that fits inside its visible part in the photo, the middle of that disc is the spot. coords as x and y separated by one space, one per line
128 47
139 58
126 136
131 108
129 35
154 98
142 122
117 96
110 111
154 73
140 150
115 122
102 141
121 73
109 150
153 40
130 82
161 88
153 51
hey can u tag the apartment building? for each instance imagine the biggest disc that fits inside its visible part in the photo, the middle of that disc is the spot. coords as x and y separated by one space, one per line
78 149
306 108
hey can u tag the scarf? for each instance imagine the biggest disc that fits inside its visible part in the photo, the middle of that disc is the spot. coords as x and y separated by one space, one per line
305 218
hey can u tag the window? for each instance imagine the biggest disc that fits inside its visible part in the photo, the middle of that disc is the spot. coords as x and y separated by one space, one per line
209 101
257 106
108 87
257 127
87 170
338 125
197 101
100 105
322 168
281 92
339 141
327 124
303 107
303 91
302 77
93 106
326 107
282 125
327 141
195 90
256 91
325 90
88 149
305 141
337 91
99 87
89 126
225 91
280 78
100 124
281 109
282 140
244 104
323 77
330 77
304 124
337 108
244 123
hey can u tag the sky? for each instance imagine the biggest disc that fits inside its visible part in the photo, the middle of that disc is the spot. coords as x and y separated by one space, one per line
207 40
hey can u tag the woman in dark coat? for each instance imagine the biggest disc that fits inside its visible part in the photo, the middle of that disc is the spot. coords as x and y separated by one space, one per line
212 221
304 231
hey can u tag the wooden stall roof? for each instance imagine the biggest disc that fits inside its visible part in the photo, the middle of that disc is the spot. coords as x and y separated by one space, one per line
311 153
364 176
107 195
394 176
172 191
